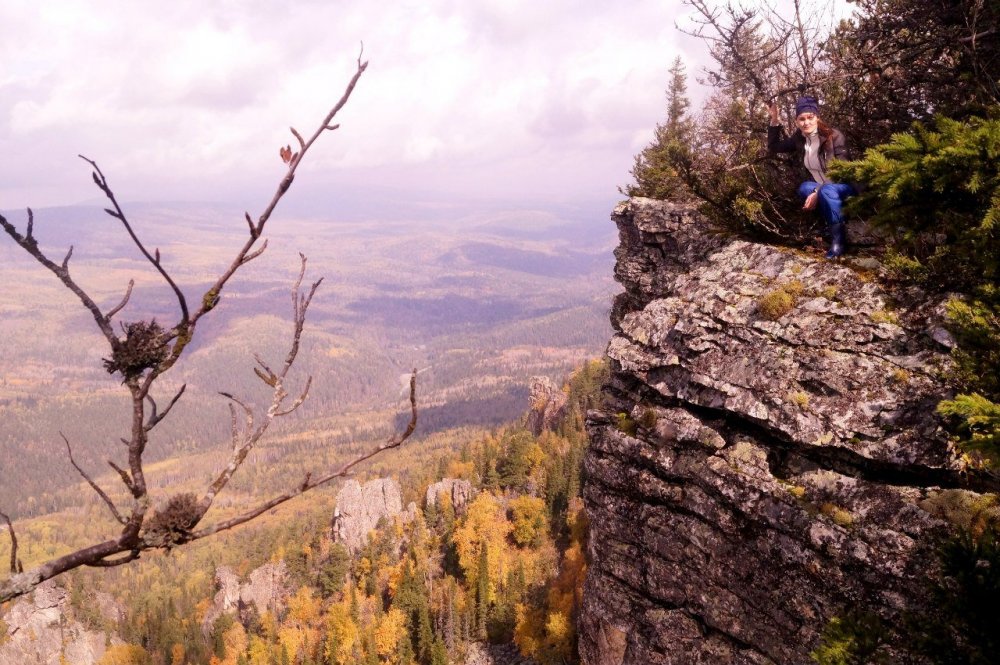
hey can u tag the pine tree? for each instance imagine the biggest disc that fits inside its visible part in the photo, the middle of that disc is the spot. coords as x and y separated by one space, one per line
439 653
425 634
677 124
482 592
658 169
404 652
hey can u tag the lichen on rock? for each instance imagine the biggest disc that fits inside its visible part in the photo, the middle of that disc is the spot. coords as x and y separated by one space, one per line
778 467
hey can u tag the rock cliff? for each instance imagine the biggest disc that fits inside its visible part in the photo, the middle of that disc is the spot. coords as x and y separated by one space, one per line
547 405
459 491
41 629
266 590
360 507
768 454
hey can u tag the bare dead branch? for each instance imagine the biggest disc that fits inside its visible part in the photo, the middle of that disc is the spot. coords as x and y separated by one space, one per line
302 143
118 214
15 563
309 484
120 306
131 541
111 563
154 417
234 428
104 497
271 377
124 476
298 401
65 261
254 254
241 447
29 244
258 228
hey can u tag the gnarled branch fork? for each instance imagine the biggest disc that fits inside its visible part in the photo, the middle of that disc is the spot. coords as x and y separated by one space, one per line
134 537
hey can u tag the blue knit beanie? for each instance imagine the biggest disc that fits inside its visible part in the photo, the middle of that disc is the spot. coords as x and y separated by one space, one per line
806 105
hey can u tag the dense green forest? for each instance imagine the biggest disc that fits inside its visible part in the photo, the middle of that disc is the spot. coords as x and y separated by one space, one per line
506 568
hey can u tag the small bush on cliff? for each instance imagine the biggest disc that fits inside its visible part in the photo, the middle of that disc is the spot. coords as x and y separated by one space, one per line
857 638
937 188
776 303
659 169
625 424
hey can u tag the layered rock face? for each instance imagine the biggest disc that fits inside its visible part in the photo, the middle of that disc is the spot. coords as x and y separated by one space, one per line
266 590
459 491
360 507
547 405
41 629
769 454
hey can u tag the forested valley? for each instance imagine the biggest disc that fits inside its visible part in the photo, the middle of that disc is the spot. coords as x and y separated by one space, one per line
505 567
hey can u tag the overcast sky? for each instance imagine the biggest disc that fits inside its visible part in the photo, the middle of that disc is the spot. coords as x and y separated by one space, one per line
191 99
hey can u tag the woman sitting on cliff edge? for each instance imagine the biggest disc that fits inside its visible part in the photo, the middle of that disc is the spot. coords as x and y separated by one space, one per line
815 144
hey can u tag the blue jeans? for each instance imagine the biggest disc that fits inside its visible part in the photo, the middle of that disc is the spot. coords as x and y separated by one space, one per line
831 199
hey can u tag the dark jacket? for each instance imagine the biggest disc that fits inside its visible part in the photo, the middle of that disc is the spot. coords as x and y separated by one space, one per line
796 143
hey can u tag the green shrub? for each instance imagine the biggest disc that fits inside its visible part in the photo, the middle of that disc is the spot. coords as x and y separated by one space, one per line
857 638
775 304
625 424
938 189
979 420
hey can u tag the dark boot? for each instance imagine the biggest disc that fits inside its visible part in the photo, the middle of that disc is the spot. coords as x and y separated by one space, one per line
838 241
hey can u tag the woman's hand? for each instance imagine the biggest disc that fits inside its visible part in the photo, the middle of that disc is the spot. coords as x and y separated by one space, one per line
810 201
772 112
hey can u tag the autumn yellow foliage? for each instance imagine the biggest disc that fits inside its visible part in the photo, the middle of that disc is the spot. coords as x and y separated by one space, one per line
342 635
548 635
485 525
124 654
389 631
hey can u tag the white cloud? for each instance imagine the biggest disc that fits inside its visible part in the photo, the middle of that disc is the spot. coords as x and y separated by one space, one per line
189 98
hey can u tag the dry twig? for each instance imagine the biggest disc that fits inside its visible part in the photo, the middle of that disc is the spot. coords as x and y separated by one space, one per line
152 356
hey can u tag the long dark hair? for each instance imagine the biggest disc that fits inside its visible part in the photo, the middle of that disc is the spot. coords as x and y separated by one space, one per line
825 133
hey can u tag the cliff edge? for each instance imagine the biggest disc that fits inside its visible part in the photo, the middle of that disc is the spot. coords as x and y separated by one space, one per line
768 454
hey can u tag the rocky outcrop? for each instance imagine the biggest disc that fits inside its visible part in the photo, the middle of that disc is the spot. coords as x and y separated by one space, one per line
547 405
266 590
360 507
459 491
40 629
767 444
494 654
